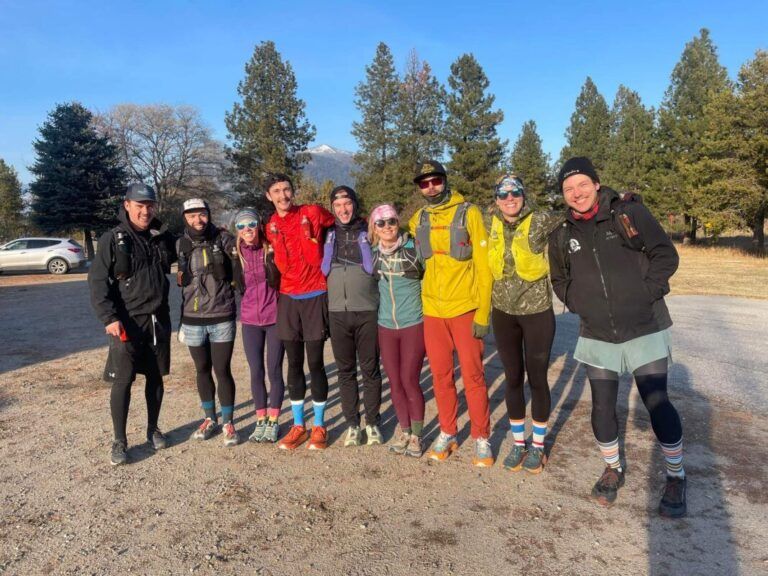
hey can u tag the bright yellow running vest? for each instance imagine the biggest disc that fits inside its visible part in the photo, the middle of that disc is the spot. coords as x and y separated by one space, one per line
528 265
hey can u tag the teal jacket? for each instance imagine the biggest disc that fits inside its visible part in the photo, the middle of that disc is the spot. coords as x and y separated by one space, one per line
400 276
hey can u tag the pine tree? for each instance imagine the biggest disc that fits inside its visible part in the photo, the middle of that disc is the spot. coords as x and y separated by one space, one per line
631 143
11 203
79 176
268 128
529 161
470 132
378 178
589 131
695 81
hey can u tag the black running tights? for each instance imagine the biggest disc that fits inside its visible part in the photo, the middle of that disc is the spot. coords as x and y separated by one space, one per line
297 380
214 357
120 400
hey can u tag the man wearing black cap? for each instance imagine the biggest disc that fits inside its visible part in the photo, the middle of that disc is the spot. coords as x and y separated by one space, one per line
129 294
353 303
611 263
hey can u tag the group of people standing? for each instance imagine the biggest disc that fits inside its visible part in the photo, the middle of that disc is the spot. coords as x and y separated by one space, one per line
392 294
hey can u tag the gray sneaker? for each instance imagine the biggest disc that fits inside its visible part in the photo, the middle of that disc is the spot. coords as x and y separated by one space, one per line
207 429
231 437
258 432
373 435
157 439
119 453
400 444
415 449
353 437
271 432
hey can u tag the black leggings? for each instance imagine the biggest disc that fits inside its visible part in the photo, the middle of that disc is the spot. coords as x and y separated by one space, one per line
524 344
120 401
297 381
651 381
216 356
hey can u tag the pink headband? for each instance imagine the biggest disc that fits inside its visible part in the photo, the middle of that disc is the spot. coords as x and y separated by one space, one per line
383 212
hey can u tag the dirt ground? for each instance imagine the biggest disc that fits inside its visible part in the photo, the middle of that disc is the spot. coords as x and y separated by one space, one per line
200 508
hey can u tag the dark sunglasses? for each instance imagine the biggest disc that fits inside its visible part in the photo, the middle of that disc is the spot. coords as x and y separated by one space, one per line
503 194
386 222
243 225
436 181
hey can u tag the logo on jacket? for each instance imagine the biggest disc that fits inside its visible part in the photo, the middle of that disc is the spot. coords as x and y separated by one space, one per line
573 246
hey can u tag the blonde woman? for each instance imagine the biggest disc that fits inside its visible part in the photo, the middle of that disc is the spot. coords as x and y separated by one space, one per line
401 325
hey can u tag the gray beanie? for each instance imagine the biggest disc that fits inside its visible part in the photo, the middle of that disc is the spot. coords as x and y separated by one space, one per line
247 215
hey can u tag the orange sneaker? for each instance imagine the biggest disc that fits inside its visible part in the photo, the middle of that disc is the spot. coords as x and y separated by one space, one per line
319 438
443 447
296 436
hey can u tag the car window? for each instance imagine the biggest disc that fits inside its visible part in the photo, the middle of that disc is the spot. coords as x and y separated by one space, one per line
18 245
51 242
74 242
31 244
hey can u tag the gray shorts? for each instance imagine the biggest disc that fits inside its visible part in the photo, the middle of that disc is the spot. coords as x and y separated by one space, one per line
627 356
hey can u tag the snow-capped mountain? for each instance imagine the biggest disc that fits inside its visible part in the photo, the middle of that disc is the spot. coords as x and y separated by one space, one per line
329 163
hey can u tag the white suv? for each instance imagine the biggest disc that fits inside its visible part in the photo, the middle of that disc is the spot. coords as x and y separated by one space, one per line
57 255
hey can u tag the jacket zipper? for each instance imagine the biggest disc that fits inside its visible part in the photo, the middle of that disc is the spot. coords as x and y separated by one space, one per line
392 297
602 280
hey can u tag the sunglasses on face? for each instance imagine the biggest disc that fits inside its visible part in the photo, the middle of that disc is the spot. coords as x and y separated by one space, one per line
244 225
424 184
386 222
504 194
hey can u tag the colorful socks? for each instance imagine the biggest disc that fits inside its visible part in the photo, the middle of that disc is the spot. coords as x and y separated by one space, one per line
210 409
610 451
518 431
417 426
673 456
297 408
539 432
261 414
319 413
273 414
227 414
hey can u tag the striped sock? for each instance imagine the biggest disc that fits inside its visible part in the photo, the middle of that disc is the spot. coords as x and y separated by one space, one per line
227 414
610 451
210 409
261 414
297 408
673 456
319 413
273 414
518 431
539 432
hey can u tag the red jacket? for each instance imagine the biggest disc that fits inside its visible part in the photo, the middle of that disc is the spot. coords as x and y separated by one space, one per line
297 239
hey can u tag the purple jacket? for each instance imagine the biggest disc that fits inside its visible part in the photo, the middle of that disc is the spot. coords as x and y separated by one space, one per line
259 303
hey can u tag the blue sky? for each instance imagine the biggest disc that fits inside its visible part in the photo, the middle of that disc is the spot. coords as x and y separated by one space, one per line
536 55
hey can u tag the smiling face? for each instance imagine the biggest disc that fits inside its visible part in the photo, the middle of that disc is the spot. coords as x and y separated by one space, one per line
343 209
281 195
140 214
510 206
580 192
248 231
387 230
197 219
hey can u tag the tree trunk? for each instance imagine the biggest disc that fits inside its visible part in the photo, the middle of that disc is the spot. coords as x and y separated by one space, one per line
691 223
88 243
758 230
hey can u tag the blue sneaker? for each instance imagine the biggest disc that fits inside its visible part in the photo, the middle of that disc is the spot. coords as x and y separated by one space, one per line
514 460
535 460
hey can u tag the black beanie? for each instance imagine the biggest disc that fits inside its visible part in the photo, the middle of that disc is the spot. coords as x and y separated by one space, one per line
344 192
577 165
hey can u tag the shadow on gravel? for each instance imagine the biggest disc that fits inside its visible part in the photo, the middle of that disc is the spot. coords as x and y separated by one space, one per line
704 541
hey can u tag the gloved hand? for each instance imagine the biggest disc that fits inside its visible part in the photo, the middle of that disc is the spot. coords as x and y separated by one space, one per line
479 331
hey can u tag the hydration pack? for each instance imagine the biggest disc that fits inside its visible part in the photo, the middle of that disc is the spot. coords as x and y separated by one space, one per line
460 243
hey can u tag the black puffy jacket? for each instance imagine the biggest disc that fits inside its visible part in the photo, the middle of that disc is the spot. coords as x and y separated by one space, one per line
617 291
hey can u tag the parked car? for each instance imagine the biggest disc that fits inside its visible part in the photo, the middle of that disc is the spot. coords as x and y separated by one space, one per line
57 255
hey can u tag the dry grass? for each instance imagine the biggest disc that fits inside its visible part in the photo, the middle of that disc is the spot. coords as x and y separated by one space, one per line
722 271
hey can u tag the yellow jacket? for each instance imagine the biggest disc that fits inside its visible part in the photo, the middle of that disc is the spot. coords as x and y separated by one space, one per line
452 287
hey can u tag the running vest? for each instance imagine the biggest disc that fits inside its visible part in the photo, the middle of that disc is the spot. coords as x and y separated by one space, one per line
528 265
362 242
215 260
460 243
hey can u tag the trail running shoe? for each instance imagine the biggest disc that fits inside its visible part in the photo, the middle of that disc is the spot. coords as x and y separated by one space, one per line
207 429
119 452
443 447
258 432
672 503
353 437
271 432
415 448
296 436
157 439
483 453
400 444
606 488
515 458
535 460
318 440
231 437
373 435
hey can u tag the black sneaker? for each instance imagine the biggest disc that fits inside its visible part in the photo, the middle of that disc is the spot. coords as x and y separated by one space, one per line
119 452
672 503
157 439
605 489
